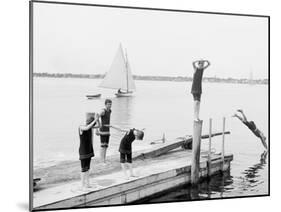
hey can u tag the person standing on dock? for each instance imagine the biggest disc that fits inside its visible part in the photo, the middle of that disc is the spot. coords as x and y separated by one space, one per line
104 131
196 89
252 126
125 148
86 151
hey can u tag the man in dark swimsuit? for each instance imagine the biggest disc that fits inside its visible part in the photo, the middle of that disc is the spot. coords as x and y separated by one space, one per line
125 148
196 89
86 151
104 131
251 125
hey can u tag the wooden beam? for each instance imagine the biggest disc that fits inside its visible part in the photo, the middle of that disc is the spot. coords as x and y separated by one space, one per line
168 146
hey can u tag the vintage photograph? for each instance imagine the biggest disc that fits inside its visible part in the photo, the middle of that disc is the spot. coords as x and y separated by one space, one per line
140 105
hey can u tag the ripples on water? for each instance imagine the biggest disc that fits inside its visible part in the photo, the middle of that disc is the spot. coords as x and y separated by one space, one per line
219 186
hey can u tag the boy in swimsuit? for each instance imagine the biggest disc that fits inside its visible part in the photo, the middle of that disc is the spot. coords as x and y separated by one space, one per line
104 131
86 151
125 148
196 89
251 125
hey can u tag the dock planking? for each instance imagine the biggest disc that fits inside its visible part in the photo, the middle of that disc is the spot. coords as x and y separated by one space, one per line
155 175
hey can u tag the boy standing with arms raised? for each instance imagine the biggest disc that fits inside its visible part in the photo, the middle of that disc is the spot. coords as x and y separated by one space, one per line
196 90
86 151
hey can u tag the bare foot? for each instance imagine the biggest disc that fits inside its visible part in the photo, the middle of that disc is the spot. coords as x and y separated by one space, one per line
90 186
103 163
85 189
264 142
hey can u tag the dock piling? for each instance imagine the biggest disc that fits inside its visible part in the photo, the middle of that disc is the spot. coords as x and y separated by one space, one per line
196 143
210 147
223 138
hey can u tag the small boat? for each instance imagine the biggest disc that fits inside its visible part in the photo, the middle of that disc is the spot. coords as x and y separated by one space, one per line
124 94
119 75
93 96
35 182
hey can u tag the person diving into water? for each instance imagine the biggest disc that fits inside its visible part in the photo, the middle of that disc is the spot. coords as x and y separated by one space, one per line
252 126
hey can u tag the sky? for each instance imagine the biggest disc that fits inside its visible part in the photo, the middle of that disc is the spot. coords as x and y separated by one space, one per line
84 40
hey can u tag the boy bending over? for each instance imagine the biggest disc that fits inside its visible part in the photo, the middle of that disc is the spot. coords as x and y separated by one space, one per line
125 148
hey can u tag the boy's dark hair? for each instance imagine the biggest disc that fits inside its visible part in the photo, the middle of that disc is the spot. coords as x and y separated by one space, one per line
141 135
90 117
107 101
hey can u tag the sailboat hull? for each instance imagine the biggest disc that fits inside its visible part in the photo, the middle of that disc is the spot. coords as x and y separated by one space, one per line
93 96
124 94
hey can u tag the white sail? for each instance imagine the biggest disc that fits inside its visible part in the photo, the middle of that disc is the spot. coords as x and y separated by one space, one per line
131 82
119 74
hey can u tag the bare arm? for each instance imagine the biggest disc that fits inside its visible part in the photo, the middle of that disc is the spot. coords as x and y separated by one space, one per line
91 125
101 113
208 64
194 64
117 128
242 113
240 118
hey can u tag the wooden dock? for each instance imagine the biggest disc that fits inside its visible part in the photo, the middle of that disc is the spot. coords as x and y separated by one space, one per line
155 175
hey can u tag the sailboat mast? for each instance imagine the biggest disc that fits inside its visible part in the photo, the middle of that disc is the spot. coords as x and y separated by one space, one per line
127 70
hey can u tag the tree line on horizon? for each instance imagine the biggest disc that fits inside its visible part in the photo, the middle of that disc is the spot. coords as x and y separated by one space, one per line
154 78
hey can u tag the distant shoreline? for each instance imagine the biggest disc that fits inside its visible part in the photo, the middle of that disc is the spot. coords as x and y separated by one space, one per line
156 78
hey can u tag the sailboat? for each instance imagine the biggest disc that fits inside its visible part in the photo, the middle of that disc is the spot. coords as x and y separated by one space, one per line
119 75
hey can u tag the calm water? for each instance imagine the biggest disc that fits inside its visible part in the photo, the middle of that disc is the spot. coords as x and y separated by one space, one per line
160 107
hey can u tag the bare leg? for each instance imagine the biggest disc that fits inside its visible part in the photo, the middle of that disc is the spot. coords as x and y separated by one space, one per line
131 170
264 143
123 165
196 107
102 154
87 179
263 138
83 179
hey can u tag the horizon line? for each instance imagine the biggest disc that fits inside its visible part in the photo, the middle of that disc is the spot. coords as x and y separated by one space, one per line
136 75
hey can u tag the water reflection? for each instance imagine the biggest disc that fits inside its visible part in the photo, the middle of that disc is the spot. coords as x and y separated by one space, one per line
251 176
122 110
252 172
212 188
122 114
218 186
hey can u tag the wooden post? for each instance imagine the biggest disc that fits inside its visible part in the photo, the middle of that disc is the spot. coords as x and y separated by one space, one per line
210 147
196 143
222 148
